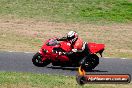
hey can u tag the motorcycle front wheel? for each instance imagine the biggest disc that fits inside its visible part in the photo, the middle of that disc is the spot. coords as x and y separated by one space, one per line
37 60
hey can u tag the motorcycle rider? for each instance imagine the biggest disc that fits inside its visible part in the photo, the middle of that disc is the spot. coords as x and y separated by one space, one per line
77 44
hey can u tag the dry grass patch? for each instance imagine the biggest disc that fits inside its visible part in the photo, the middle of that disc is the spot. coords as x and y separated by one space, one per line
28 35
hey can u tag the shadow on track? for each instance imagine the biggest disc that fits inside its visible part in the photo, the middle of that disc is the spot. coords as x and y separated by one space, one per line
73 69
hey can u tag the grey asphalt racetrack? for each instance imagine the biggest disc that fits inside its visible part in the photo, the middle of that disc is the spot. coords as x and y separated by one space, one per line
22 62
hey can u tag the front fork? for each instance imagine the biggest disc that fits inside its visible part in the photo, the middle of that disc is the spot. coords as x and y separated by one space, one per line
42 52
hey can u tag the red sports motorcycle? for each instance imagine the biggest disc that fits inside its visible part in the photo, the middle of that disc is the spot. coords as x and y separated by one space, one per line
49 53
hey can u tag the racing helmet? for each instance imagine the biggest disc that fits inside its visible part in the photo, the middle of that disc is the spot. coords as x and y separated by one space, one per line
72 36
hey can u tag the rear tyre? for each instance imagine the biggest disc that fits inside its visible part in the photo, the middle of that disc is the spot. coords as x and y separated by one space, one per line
37 60
80 80
89 63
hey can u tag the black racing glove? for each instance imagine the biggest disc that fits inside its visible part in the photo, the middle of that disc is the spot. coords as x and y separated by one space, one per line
62 39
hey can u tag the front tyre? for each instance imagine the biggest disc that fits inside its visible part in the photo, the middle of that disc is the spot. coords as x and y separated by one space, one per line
37 60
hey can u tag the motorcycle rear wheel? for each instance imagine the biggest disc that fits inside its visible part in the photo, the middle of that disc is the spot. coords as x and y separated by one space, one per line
80 80
89 63
37 60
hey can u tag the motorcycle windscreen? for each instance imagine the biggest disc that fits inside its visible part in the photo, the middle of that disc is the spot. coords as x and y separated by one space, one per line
94 47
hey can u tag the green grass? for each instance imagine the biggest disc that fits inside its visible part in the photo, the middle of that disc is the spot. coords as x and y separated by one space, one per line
69 10
29 80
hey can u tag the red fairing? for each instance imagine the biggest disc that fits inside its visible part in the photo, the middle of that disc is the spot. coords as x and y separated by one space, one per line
66 46
65 58
94 47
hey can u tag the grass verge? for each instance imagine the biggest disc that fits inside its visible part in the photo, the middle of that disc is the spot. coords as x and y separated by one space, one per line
29 80
69 10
